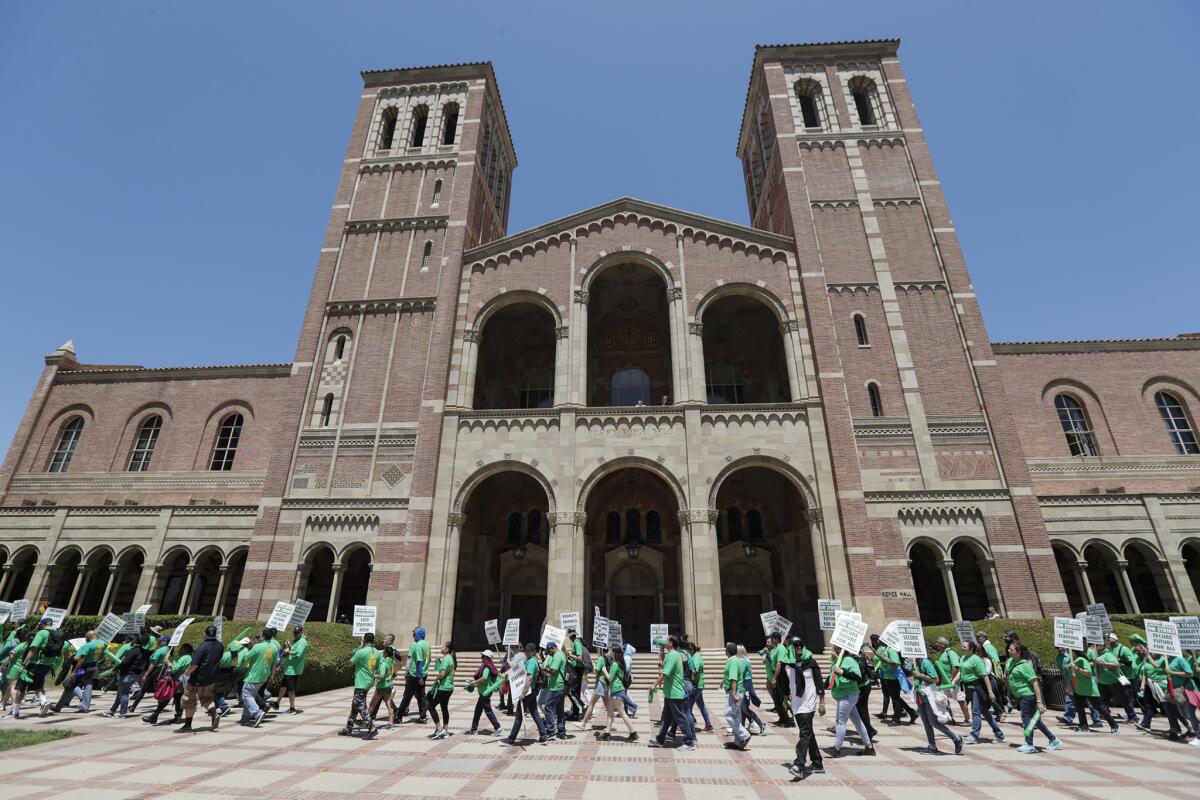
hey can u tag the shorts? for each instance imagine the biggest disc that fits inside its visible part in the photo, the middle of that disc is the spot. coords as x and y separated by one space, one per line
290 682
38 674
197 695
601 689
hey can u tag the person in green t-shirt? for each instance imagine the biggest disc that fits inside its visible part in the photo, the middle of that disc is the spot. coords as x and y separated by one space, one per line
973 675
415 671
15 673
674 698
615 680
1125 657
927 679
947 664
526 701
486 681
775 672
696 698
260 664
1025 685
385 677
365 661
845 677
81 674
38 660
551 699
733 683
1181 670
1084 691
443 687
294 658
890 671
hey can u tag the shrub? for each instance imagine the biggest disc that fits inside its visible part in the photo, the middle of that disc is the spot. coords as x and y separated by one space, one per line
1036 634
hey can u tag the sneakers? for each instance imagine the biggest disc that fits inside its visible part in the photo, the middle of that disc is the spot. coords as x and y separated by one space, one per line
655 743
187 728
799 773
633 737
958 746
496 731
108 714
970 739
1026 748
579 726
833 752
508 742
1054 744
1114 729
258 718
866 751
686 748
929 751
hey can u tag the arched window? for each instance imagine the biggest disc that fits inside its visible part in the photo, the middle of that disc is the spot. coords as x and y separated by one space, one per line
514 527
420 121
754 525
733 519
653 527
227 442
724 385
426 256
873 397
633 525
1075 426
143 448
67 440
387 128
630 386
612 527
864 94
326 410
808 94
437 191
449 124
533 527
537 389
860 331
1179 428
339 349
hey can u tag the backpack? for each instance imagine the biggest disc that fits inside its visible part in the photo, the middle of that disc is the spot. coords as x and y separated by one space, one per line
54 644
687 666
586 660
543 680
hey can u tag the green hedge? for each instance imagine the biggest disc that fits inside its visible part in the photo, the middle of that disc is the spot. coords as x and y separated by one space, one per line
1036 634
329 644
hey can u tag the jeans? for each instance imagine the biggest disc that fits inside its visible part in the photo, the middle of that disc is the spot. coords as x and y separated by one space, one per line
847 709
931 723
630 706
1028 706
981 709
733 716
806 742
250 708
124 689
483 705
675 714
696 699
864 710
551 703
81 685
749 714
530 706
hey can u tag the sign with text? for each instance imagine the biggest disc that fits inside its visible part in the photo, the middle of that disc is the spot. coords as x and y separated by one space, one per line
839 615
615 637
219 624
848 634
965 631
300 615
912 638
20 610
772 622
658 633
280 616
77 643
139 617
5 612
491 631
1093 627
1098 610
177 634
516 675
600 631
512 631
891 636
1069 633
109 627
827 613
128 627
569 621
1189 632
553 634
1162 638
364 620
56 617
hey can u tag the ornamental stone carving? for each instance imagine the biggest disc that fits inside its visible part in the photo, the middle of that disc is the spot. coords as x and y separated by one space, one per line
698 515
472 335
576 518
562 332
456 519
696 328
581 296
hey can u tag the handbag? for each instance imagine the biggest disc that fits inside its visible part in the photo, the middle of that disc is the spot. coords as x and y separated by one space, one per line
164 690
1156 691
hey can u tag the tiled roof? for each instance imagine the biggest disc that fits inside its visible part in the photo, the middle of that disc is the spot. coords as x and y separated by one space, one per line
1182 342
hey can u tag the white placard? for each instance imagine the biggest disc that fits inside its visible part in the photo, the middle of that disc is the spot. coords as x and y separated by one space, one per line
280 616
1162 638
300 615
1189 632
127 626
177 634
772 622
109 627
615 637
839 615
512 631
77 643
1093 627
768 622
491 631
139 617
553 634
891 636
516 676
5 612
600 631
1098 610
1069 633
965 631
658 632
219 624
912 638
56 616
848 634
827 613
569 621
364 620
20 610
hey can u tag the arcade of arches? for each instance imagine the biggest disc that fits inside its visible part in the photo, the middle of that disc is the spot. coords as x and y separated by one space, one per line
334 584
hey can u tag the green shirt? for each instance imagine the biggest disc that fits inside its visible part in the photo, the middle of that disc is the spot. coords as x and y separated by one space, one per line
1083 683
91 652
158 655
1110 674
577 649
925 667
616 678
261 661
769 663
1181 664
297 654
1126 658
555 665
15 667
947 662
972 668
672 670
40 640
992 653
846 684
387 672
179 665
119 655
1152 668
735 674
447 666
781 655
365 661
226 660
697 670
532 667
1020 678
418 652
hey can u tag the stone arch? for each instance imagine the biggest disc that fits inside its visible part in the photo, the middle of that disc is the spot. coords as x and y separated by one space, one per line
173 578
1101 557
1067 559
65 573
974 579
768 461
513 362
481 474
589 482
1093 409
627 257
1170 383
514 297
318 562
357 563
212 425
740 289
744 346
1189 551
936 547
24 561
1148 576
925 559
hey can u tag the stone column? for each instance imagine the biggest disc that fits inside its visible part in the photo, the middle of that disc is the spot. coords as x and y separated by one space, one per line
5 577
222 586
80 571
187 589
789 330
147 584
702 613
577 379
106 601
1131 603
951 589
816 535
992 584
680 392
1176 570
335 592
444 629
564 570
89 575
562 365
1085 585
695 352
470 361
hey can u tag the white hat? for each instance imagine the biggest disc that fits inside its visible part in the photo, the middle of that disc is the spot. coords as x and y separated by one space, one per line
488 654
244 641
1112 637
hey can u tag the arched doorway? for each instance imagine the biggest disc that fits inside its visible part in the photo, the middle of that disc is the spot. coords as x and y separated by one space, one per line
515 366
1145 575
24 562
356 582
629 338
318 585
744 359
129 575
173 580
933 605
632 570
63 574
971 582
502 557
1067 571
765 552
1102 575
96 582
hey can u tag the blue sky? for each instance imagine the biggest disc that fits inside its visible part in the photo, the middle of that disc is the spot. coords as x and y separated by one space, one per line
167 168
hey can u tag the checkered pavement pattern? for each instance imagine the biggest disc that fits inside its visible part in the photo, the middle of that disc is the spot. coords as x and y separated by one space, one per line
302 758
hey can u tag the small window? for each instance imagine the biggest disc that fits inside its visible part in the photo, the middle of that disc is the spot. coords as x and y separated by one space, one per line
873 397
860 331
862 103
630 386
449 124
339 349
143 448
437 191
866 98
420 122
754 525
387 128
514 527
1075 426
533 527
612 527
426 256
326 410
808 93
653 527
724 385
227 442
67 440
1179 428
537 389
733 524
633 525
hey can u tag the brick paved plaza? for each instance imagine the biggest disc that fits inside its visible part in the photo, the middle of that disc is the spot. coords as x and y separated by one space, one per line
302 758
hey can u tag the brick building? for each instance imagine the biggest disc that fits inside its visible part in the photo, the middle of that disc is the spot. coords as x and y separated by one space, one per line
672 417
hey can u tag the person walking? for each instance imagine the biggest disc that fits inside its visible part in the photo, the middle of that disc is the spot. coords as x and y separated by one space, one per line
201 680
1026 687
948 666
631 708
1084 692
733 683
44 649
1180 681
294 658
674 710
929 681
600 693
576 674
812 700
890 673
696 699
485 682
156 667
414 677
751 720
443 687
991 658
82 673
778 659
616 694
385 678
16 673
551 698
846 677
260 663
526 703
365 661
866 665
973 675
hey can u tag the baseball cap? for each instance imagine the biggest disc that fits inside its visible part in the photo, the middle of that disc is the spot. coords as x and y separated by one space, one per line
488 654
551 645
1112 637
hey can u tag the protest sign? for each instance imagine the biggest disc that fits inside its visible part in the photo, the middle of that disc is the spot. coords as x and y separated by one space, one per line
491 631
848 634
56 617
891 635
1098 610
512 631
1069 633
364 620
280 616
109 627
1093 627
77 643
516 675
1162 638
20 610
569 621
600 631
1189 632
127 626
658 633
5 612
965 631
177 634
219 624
615 637
827 613
839 615
139 617
553 634
912 638
300 615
